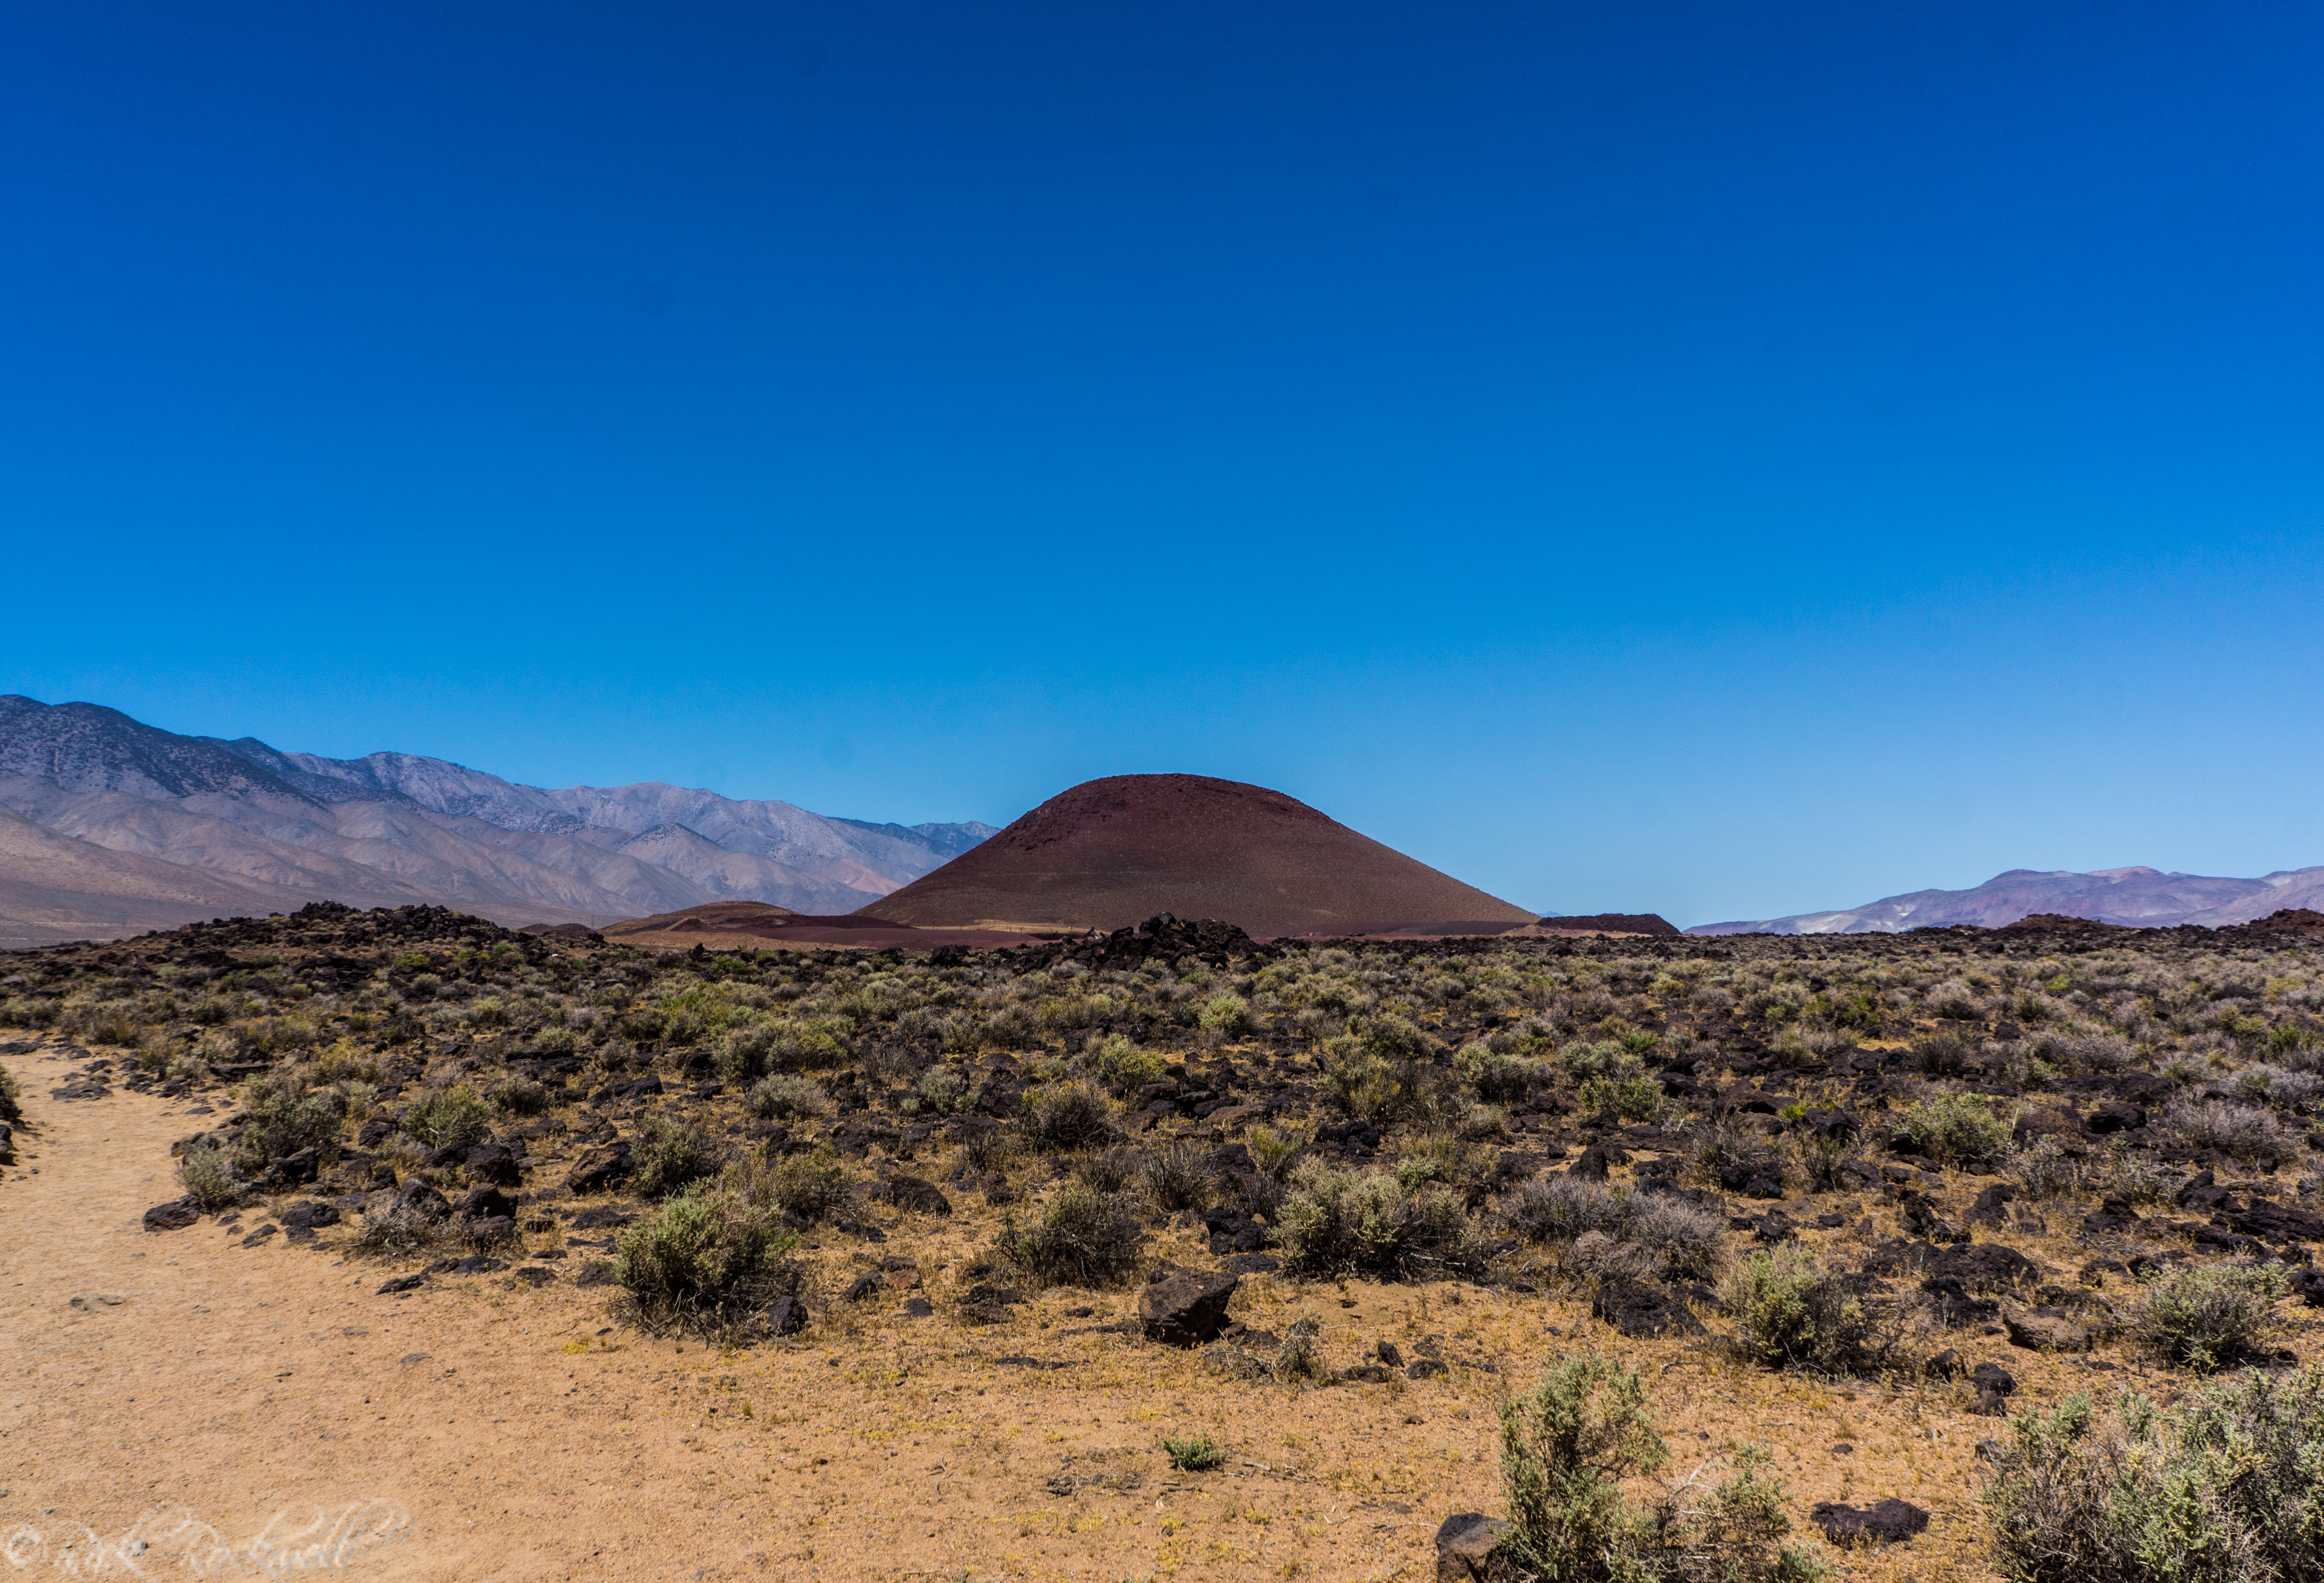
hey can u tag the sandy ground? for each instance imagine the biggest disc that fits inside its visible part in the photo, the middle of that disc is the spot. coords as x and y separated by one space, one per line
260 1409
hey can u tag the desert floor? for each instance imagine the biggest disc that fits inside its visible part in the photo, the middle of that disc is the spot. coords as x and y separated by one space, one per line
237 1409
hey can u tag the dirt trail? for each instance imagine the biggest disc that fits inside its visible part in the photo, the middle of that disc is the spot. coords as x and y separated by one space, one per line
261 1410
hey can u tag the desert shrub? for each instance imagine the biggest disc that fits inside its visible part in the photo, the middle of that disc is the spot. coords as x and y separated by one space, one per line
1066 1116
1124 1068
1272 1152
787 1094
1955 1130
446 1116
2274 1085
1954 1002
1109 1172
1196 1454
810 1186
2207 1316
670 1155
1503 1076
1566 1448
12 1099
1301 1355
520 1096
1630 1098
2044 1168
1558 1209
704 1255
1178 1176
1346 1222
1734 1156
1939 1055
943 1089
1793 1315
394 1229
2245 1131
208 1176
742 1051
2227 1486
1084 1239
283 1119
1683 1239
1225 1015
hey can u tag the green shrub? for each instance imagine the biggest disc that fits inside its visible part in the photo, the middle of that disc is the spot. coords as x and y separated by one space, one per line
2226 1488
1566 1448
1084 1238
787 1094
285 1117
2207 1316
1955 1130
1067 1117
704 1255
1631 1099
1123 1068
447 1116
810 1186
670 1155
1503 1077
520 1096
944 1090
1225 1015
1794 1314
1198 1454
208 1176
1350 1223
1373 1069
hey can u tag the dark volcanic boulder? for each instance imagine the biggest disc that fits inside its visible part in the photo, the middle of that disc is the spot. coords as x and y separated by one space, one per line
1470 1548
1644 1310
1892 1522
492 1163
486 1203
2117 1116
600 1168
2113 1213
174 1216
1185 1307
1984 1265
420 1201
785 1315
918 1194
1991 1206
2278 1222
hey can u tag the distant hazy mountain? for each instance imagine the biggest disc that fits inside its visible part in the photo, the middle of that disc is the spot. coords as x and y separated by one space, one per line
116 826
2146 897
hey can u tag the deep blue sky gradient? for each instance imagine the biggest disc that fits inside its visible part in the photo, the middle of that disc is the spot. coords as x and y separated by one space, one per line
1725 460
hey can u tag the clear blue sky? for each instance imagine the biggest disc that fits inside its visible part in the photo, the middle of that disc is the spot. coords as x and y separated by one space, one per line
1720 459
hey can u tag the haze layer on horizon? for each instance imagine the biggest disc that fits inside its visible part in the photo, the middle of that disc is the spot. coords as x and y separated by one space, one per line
1718 462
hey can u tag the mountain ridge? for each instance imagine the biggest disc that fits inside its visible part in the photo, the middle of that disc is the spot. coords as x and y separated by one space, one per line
2136 896
217 824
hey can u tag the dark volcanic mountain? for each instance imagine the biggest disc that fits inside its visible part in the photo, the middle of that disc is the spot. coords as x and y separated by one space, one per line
1111 853
120 827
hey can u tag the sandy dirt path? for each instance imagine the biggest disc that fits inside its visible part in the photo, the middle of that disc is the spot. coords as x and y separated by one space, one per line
248 1410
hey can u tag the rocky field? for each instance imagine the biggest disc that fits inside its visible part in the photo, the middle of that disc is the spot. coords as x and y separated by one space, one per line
480 1254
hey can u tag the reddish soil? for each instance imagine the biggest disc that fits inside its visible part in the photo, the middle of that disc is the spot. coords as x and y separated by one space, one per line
1111 853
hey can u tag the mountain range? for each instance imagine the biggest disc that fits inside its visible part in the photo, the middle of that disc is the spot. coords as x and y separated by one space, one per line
2142 898
109 827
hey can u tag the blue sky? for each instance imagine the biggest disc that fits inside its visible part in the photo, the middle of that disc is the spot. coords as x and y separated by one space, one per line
1714 459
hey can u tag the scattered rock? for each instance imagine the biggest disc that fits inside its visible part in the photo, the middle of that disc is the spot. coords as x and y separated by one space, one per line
486 1203
1426 1368
597 1272
310 1216
535 1276
493 1163
403 1284
2116 1115
2046 1330
417 1198
1186 1307
1892 1522
473 1265
600 1168
2039 1121
1984 1265
1251 1264
175 1216
1470 1549
2113 1214
1644 1310
918 1194
1992 1376
918 1307
89 1301
1989 1208
785 1315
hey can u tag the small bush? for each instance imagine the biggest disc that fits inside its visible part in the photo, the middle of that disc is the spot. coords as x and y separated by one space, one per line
12 1103
396 1229
1793 1315
1199 1454
283 1119
670 1155
1084 1239
1272 1152
1504 1077
2224 1488
1109 1172
447 1116
1630 1098
1349 1223
1638 1235
1559 1208
1225 1015
1734 1156
810 1186
1955 1130
703 1256
520 1096
788 1095
1178 1176
2207 1316
208 1176
2044 1168
1123 1068
943 1089
1566 1448
2245 1131
1066 1116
